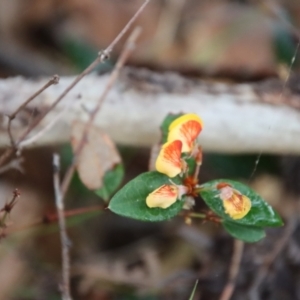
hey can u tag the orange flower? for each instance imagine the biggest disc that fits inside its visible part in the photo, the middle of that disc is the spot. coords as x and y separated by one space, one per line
236 205
169 159
186 129
165 195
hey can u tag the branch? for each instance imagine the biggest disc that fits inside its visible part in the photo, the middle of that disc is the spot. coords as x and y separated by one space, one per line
233 270
11 117
238 118
102 56
66 295
128 48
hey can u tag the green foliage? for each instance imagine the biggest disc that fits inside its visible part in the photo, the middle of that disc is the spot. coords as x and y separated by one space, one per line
191 165
111 181
249 228
130 201
241 165
261 213
284 45
82 54
193 291
249 234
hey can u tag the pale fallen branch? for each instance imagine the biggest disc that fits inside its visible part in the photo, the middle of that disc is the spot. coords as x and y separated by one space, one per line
238 118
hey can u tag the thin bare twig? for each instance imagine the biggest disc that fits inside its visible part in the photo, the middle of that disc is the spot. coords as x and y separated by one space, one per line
198 158
102 56
13 164
269 260
65 243
6 209
52 218
233 270
44 130
128 48
53 80
125 29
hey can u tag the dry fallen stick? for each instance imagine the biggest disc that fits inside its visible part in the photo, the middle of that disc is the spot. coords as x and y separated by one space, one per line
238 118
65 243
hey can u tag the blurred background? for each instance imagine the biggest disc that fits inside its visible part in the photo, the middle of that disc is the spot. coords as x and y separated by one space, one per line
118 258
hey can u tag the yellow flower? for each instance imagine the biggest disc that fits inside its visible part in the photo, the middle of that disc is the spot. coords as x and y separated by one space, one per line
236 205
186 129
169 159
162 197
166 195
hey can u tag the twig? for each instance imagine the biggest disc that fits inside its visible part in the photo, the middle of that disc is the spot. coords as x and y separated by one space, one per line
7 208
45 129
66 295
126 28
102 56
128 48
14 164
51 218
11 117
198 158
233 270
269 260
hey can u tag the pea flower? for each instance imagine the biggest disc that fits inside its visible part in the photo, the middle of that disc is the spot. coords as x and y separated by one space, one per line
165 195
236 205
169 160
186 129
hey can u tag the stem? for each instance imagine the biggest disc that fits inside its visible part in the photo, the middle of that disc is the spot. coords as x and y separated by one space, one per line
102 56
53 80
233 270
50 219
65 243
129 46
197 215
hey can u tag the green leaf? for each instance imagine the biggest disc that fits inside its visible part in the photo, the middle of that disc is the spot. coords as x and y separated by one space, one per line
130 201
249 234
111 181
165 125
261 213
193 291
191 164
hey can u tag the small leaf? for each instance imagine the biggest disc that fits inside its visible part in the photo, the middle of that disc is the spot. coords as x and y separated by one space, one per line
193 291
249 234
111 181
191 164
261 213
130 201
165 125
99 154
